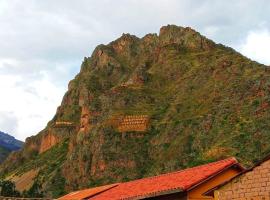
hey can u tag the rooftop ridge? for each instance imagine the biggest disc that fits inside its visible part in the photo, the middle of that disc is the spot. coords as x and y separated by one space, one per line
149 194
178 181
233 159
89 192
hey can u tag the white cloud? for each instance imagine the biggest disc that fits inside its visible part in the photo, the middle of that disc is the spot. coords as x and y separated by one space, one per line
8 121
43 43
30 104
257 46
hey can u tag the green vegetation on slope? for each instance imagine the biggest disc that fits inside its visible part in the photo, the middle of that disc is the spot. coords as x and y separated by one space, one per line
205 101
3 153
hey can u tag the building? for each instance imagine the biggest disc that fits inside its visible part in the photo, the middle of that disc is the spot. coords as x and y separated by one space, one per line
251 184
188 184
87 193
137 123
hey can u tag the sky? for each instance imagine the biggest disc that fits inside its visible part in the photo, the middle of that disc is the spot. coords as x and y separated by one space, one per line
42 43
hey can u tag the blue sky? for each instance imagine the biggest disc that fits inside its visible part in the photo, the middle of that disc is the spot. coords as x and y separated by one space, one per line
43 43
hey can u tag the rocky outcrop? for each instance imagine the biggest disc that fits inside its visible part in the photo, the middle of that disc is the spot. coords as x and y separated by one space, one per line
85 123
124 43
185 37
47 142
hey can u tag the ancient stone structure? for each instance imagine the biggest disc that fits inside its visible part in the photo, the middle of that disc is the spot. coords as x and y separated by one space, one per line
133 123
254 184
63 124
24 181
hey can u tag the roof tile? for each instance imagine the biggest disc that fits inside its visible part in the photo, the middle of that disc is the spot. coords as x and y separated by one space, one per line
82 194
180 180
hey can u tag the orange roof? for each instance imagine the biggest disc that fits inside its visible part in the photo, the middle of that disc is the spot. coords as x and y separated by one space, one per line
178 181
83 194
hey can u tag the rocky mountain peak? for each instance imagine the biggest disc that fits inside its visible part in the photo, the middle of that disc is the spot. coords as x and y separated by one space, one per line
185 37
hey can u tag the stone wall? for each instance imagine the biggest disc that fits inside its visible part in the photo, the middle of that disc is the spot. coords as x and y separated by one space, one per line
133 123
252 185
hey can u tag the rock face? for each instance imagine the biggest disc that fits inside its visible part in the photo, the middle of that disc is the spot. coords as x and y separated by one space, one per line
201 101
85 120
48 141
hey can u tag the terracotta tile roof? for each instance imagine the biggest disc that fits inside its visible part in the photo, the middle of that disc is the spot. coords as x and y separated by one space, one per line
178 181
83 194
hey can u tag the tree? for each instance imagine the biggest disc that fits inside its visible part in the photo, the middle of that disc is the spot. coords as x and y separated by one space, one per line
34 192
8 189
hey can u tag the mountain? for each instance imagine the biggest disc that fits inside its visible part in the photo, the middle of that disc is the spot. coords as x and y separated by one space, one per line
7 144
145 106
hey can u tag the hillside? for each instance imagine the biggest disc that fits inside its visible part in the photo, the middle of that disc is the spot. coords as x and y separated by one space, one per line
3 153
7 144
144 106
